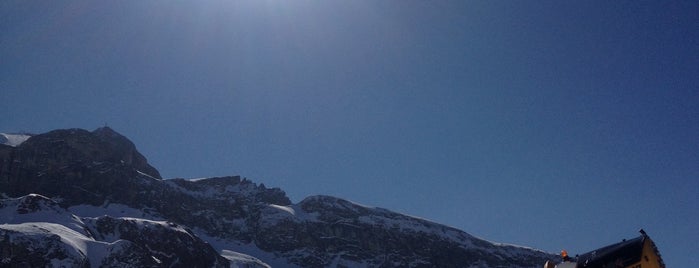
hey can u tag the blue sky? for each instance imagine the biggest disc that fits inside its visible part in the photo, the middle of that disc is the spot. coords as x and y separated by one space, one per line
550 124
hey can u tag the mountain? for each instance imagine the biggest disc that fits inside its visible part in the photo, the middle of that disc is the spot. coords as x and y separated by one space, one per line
39 233
89 199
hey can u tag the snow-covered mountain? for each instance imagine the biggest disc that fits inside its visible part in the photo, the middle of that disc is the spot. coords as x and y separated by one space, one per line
90 199
37 232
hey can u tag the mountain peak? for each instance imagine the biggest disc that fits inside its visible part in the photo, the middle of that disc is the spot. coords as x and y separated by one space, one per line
45 163
105 129
125 149
109 134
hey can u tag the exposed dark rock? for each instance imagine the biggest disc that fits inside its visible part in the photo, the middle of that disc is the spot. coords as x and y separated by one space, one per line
77 165
125 151
169 244
333 228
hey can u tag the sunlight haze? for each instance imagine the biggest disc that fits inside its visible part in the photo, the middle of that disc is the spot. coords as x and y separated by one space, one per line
548 124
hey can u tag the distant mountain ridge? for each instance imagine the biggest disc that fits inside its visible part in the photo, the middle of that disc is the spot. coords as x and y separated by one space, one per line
98 203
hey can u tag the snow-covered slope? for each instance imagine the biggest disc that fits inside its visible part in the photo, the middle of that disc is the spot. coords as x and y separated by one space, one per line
98 203
35 231
13 139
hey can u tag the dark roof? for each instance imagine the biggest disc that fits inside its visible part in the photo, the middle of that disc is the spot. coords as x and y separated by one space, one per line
626 252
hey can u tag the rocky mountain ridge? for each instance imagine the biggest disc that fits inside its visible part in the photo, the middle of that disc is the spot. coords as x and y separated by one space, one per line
75 172
37 232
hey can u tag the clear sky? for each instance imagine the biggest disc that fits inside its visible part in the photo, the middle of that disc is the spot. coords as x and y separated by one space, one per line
550 124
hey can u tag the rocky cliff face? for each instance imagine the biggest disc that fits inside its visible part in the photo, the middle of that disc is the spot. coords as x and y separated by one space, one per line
79 166
155 222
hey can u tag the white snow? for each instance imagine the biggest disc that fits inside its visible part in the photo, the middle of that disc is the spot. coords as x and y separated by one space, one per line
46 213
272 214
72 238
77 244
13 140
287 209
146 175
243 258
